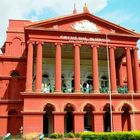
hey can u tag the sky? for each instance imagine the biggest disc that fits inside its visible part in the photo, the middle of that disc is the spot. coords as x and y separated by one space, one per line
122 12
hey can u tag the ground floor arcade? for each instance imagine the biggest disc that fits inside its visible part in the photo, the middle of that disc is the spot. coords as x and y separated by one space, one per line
78 113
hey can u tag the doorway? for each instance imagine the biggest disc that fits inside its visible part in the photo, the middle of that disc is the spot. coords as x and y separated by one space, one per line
126 119
48 120
69 119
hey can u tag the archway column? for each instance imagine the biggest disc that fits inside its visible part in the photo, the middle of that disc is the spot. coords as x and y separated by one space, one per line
29 69
133 122
136 115
39 68
95 68
78 122
117 121
59 122
58 82
76 68
32 122
129 71
98 125
3 124
112 70
136 71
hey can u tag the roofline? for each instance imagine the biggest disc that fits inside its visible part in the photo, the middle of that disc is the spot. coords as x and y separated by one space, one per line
34 24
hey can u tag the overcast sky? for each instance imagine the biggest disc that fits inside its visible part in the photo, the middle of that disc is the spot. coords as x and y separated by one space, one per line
123 12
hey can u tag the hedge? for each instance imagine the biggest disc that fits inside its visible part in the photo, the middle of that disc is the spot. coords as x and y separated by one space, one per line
133 135
111 136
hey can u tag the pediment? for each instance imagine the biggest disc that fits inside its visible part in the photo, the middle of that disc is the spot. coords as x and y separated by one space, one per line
84 22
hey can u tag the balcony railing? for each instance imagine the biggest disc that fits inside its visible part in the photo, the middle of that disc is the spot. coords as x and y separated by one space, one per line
122 90
51 89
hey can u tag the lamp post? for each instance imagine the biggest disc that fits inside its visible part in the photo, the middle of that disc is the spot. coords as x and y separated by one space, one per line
109 84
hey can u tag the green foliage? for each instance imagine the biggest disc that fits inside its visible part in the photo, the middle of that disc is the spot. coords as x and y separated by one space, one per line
69 135
77 135
56 135
111 136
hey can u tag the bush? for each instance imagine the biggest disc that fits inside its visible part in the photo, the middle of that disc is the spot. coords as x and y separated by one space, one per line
69 135
111 136
55 136
77 135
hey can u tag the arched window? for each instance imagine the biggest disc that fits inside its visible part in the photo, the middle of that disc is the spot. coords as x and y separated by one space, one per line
14 74
88 85
64 87
89 80
104 81
46 86
45 79
14 86
72 84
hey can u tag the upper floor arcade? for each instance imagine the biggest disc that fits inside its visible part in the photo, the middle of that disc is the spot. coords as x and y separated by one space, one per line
76 68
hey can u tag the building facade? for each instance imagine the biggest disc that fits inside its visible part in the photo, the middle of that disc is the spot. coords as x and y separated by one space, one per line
69 74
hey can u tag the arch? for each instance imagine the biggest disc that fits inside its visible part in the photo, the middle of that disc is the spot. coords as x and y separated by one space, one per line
12 112
14 85
71 75
46 83
119 108
70 105
18 38
126 117
88 117
103 81
88 74
14 73
50 105
16 47
103 75
69 117
87 104
64 75
47 73
107 105
63 80
107 117
48 119
126 106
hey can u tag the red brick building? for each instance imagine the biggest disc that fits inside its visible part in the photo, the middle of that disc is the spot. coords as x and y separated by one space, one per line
57 75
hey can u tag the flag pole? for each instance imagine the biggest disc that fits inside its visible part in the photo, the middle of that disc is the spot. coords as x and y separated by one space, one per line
109 85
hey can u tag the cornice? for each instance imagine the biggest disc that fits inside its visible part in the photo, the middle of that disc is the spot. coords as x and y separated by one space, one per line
79 96
11 58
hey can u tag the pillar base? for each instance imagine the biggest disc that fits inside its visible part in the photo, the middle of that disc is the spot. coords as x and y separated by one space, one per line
28 90
131 91
77 91
114 91
38 90
57 91
96 91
